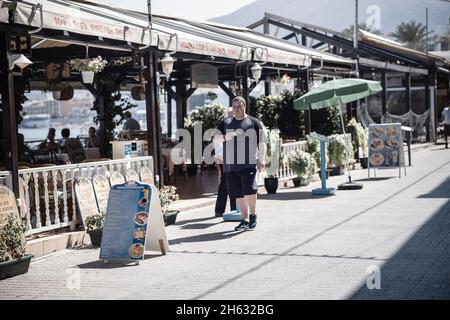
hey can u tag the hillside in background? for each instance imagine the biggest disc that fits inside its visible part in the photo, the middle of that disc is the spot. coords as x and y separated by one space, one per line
338 15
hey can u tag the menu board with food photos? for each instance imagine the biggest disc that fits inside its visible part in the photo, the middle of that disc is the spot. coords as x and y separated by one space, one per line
126 221
385 145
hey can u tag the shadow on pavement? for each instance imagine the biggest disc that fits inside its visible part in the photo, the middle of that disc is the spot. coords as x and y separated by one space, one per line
420 269
198 226
111 265
183 222
206 237
375 179
441 192
300 195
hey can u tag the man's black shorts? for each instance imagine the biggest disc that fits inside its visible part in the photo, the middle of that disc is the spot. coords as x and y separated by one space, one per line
446 130
242 183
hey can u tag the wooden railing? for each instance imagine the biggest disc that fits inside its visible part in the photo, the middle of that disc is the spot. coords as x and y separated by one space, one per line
47 197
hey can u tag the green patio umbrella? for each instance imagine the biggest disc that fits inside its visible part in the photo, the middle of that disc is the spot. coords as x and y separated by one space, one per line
334 93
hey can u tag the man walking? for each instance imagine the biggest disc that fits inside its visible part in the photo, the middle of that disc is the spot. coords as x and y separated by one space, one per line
446 120
243 138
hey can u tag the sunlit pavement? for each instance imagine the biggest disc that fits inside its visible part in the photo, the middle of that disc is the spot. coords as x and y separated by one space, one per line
392 237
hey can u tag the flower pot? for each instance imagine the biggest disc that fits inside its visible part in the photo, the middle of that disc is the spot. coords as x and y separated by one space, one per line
327 174
13 268
337 171
271 185
96 237
297 182
88 76
170 217
364 162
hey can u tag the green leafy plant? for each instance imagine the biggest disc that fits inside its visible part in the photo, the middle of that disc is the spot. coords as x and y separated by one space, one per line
339 150
95 65
95 221
303 165
209 115
360 136
167 195
12 239
267 110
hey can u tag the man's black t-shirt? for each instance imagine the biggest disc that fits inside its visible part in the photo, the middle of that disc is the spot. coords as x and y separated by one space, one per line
240 153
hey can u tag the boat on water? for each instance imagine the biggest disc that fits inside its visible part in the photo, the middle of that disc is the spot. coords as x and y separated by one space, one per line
36 121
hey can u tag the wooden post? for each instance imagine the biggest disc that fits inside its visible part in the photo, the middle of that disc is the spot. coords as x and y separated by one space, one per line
408 98
245 89
384 94
181 104
9 113
169 111
152 110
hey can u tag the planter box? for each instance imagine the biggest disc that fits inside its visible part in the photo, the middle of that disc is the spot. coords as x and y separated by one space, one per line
15 267
271 185
337 171
96 237
88 76
170 217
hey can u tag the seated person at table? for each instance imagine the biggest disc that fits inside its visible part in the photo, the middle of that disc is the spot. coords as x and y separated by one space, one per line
94 141
23 151
49 143
65 133
130 123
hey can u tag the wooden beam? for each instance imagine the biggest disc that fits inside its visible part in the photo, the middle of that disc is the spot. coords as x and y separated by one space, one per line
384 93
9 113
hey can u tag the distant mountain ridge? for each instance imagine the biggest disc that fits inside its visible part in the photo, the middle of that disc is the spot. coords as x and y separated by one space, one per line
339 14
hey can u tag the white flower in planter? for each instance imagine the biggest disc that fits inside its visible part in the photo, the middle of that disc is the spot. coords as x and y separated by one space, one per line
88 67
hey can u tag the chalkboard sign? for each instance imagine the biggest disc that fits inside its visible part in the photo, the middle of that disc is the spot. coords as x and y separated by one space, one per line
87 204
127 217
8 205
101 188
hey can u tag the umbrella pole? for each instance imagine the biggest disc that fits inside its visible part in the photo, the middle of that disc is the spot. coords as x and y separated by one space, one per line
346 145
349 185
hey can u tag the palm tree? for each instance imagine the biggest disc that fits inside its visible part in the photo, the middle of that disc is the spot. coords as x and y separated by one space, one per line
412 34
348 33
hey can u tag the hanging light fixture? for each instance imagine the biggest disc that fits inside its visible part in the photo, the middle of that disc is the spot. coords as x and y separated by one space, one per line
19 60
167 64
256 71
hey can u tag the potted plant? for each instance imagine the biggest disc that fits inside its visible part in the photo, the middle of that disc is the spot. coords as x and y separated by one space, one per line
360 141
94 228
304 166
167 195
273 159
338 152
13 257
88 67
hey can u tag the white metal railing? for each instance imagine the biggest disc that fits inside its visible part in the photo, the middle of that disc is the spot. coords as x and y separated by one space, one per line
285 172
47 197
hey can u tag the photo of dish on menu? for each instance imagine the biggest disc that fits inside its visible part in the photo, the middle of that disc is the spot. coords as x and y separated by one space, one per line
384 145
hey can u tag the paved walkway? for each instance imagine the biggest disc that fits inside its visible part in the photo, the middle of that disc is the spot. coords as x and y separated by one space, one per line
304 247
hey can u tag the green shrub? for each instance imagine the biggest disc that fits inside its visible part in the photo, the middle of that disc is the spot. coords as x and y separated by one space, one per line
95 222
167 195
12 239
303 165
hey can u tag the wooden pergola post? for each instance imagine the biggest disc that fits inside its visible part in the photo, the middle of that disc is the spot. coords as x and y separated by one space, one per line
9 112
152 112
384 94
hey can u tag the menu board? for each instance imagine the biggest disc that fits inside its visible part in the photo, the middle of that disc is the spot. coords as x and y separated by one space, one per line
126 220
8 205
101 188
385 145
87 204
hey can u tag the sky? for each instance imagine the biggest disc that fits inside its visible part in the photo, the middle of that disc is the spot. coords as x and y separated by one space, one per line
193 9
